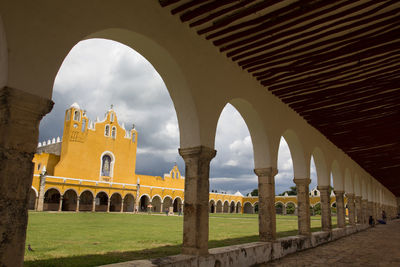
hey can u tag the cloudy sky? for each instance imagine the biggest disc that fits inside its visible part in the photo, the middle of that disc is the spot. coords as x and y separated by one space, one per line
97 73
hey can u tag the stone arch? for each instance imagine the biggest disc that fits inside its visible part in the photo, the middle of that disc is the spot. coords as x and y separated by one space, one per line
219 207
232 207
348 181
279 207
258 133
291 208
101 201
70 200
3 56
226 206
86 200
144 202
255 207
248 208
32 198
238 207
156 203
323 178
115 202
129 203
177 204
211 206
167 203
337 177
301 170
51 199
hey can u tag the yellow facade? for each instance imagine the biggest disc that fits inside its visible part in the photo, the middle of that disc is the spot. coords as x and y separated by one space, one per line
93 169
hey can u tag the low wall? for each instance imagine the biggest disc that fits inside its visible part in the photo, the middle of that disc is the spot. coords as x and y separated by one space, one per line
248 254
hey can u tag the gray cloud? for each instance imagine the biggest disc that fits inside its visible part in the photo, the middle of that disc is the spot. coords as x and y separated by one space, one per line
98 73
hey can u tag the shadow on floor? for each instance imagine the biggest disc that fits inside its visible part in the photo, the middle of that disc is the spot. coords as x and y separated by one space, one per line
117 256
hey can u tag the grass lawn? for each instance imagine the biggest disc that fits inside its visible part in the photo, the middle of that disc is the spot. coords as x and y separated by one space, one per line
90 239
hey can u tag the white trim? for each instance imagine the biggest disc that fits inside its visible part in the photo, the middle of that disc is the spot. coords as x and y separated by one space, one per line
101 191
53 188
36 192
234 203
211 200
105 127
114 128
177 198
146 196
226 201
219 200
166 197
116 193
156 195
292 203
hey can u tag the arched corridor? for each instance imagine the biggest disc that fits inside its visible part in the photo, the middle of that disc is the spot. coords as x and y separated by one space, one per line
129 203
86 201
178 206
101 202
248 208
156 203
115 202
32 199
144 203
52 200
70 199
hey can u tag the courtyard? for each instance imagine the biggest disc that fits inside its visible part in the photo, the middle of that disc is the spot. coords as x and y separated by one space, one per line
91 239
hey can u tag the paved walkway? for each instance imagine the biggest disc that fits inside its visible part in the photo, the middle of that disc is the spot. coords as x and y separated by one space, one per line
378 246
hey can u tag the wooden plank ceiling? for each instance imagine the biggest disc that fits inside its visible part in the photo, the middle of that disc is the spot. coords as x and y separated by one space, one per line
336 63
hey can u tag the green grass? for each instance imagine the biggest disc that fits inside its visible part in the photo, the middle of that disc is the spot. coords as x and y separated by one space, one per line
90 239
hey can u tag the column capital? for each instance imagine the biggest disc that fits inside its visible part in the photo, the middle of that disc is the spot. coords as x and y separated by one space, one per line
323 187
269 172
302 181
201 152
338 192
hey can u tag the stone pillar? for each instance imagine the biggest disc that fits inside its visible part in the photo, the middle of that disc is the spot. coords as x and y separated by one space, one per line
36 203
326 222
20 115
352 208
358 209
162 207
41 192
340 210
60 204
284 209
122 206
77 204
108 204
197 184
266 203
364 207
94 204
303 204
370 210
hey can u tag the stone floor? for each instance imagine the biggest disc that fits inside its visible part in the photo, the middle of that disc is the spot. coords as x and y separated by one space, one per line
378 246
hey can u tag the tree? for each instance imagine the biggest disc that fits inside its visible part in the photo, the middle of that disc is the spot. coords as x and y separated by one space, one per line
254 193
291 192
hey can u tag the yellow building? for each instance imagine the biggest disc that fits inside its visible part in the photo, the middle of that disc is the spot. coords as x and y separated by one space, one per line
93 169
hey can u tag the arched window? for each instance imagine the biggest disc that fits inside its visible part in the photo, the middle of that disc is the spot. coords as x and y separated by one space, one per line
77 115
133 137
83 125
38 166
112 117
114 132
68 115
173 175
107 130
106 165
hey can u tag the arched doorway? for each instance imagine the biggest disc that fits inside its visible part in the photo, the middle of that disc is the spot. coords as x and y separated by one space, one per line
144 202
167 203
232 207
219 206
226 207
86 201
101 201
115 203
279 208
212 206
255 207
51 200
69 201
290 208
177 204
32 199
129 203
238 207
156 203
248 208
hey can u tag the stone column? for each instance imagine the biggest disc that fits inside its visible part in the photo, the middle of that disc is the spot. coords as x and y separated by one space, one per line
352 208
326 222
195 219
162 207
340 211
370 211
36 203
77 204
284 209
94 204
20 115
358 209
303 204
108 204
266 203
122 206
41 192
364 207
60 204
